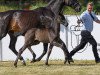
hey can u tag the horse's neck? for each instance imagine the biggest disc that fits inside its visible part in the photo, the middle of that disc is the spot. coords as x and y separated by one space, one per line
56 6
56 26
57 29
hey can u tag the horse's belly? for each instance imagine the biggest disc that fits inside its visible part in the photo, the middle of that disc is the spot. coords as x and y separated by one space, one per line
42 35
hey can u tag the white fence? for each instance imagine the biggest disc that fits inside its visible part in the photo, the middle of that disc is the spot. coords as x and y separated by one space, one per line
66 35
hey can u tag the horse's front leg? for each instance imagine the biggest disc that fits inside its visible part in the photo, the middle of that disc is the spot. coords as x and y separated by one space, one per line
19 54
48 54
32 52
59 43
45 45
12 44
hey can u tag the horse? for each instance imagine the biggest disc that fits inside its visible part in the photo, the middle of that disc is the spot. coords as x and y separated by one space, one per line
4 22
52 5
5 18
52 27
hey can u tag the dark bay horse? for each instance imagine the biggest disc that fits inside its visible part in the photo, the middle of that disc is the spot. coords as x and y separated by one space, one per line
5 20
5 27
51 29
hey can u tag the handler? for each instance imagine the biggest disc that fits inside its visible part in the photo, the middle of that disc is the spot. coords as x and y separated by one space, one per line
87 18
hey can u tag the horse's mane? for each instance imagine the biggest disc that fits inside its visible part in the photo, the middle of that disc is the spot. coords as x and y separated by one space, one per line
51 3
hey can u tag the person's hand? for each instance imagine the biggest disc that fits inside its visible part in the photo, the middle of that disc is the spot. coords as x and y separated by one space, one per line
78 21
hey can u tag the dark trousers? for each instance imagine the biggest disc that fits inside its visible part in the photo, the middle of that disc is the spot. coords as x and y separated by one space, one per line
86 37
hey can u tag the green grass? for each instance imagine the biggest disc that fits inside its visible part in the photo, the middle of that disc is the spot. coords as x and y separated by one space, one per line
55 68
15 6
37 5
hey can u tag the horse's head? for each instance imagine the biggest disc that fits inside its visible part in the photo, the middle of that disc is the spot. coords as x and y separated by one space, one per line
74 4
63 20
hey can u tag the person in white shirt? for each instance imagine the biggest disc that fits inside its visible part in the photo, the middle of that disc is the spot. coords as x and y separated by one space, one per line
87 18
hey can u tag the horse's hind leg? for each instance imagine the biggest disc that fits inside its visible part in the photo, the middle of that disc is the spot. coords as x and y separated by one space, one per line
32 52
13 40
19 54
45 45
26 45
29 39
48 54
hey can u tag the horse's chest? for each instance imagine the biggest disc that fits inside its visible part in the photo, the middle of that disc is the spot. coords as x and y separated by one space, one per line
42 35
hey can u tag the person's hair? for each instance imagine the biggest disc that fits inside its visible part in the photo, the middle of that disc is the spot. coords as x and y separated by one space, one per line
90 3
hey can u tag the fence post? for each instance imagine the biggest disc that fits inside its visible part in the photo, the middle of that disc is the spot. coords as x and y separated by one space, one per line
1 51
66 32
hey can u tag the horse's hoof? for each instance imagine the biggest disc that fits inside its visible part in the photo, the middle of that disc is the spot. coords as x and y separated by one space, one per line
68 62
15 64
46 64
24 63
32 61
65 61
38 59
21 58
71 60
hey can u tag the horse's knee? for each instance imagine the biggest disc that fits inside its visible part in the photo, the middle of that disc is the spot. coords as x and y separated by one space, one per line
12 47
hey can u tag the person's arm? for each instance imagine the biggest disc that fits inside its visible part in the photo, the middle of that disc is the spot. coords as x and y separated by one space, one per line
96 18
82 18
98 21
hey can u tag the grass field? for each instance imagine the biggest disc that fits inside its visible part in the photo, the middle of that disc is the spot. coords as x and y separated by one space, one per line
55 68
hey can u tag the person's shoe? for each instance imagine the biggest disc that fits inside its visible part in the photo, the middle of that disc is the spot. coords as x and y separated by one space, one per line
98 61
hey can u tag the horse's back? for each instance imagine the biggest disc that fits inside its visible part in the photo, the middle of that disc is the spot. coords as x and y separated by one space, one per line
24 20
44 11
31 18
